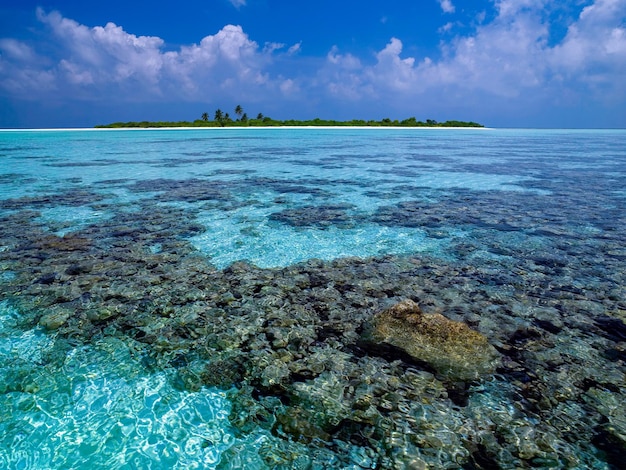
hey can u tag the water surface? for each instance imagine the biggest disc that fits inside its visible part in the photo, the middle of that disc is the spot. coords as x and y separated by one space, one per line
198 298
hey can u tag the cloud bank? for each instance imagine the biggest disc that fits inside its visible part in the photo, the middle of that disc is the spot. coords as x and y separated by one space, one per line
106 62
510 61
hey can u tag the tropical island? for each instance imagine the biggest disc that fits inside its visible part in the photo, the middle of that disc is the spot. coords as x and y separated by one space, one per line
223 119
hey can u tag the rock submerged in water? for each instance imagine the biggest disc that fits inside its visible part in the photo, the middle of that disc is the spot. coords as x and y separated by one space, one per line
54 320
451 348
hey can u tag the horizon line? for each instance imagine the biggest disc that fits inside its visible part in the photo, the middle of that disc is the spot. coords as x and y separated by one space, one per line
33 129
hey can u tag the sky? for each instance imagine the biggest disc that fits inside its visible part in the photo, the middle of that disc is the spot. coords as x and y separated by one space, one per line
503 63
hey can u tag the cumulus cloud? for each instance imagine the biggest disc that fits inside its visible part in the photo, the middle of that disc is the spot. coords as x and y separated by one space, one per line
447 6
595 38
508 58
102 55
107 61
391 70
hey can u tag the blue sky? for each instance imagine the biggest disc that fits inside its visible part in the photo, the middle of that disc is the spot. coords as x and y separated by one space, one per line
504 63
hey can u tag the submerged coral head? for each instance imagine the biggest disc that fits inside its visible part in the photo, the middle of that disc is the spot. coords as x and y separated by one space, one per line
451 348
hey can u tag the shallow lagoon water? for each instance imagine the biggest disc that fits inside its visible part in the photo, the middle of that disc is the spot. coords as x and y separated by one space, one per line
198 298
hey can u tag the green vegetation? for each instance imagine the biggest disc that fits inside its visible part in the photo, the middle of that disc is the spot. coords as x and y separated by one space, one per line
222 119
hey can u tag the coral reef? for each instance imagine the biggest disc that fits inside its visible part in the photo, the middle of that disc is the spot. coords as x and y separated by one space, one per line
335 359
505 350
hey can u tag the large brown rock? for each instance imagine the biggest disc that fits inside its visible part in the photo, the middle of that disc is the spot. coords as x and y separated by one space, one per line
451 348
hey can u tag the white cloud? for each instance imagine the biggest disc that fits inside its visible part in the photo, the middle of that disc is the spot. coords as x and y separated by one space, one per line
238 3
289 87
447 6
503 57
16 50
507 59
112 63
342 77
273 46
344 61
295 48
446 27
510 8
596 38
104 54
391 70
219 63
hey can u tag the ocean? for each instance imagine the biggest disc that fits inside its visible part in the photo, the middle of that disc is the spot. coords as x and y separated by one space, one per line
312 298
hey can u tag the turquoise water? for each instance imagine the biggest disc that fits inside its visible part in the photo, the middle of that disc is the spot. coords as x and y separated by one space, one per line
198 298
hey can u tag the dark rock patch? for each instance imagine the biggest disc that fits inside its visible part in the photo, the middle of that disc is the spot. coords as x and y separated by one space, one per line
316 216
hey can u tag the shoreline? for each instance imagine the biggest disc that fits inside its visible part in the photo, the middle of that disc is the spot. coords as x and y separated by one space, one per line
236 127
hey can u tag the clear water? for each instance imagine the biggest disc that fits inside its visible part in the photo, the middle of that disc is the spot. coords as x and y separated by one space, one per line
544 206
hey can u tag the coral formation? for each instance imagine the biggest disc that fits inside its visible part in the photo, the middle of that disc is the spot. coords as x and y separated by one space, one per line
454 350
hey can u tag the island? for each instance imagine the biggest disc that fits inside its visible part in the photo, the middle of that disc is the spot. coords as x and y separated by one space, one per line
222 119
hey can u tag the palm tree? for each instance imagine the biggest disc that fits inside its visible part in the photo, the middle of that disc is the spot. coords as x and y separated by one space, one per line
219 116
205 117
259 116
227 117
244 118
238 110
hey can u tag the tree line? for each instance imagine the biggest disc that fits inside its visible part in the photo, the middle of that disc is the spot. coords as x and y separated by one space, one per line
223 119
